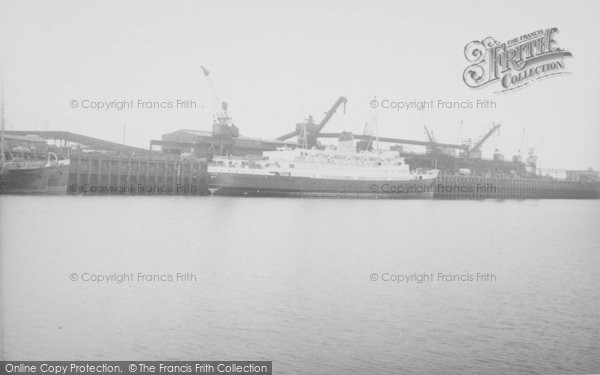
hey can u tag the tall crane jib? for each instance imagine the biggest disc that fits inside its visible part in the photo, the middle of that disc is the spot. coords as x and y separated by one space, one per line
223 126
475 151
432 148
308 132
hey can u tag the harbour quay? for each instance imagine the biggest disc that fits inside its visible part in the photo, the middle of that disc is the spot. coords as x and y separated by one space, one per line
481 187
76 164
92 166
130 175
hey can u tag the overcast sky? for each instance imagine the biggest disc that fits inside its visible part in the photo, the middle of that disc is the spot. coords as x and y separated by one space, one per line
275 62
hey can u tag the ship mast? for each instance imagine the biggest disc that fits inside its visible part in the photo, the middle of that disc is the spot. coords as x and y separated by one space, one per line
376 132
3 157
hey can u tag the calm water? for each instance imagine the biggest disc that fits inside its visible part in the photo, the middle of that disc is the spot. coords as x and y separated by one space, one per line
289 280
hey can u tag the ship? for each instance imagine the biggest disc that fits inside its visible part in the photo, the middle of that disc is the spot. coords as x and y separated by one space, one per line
27 167
24 177
336 173
22 171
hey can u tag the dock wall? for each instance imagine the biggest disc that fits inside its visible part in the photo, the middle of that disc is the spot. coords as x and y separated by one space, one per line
136 176
473 187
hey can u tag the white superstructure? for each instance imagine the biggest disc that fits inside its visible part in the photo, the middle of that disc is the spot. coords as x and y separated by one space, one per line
323 164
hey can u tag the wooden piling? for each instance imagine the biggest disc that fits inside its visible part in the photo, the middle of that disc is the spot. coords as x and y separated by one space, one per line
103 174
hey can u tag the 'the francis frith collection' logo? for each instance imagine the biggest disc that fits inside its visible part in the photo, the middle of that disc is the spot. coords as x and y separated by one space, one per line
514 63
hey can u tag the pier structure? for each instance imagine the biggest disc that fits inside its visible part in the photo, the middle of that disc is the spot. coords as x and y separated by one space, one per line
478 187
103 174
98 166
64 138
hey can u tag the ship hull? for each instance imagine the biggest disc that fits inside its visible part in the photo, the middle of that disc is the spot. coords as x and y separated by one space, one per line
24 181
290 186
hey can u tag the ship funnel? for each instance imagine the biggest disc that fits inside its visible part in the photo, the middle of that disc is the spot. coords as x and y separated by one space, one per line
346 143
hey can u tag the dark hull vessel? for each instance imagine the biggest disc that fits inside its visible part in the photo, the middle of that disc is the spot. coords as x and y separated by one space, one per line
292 186
24 180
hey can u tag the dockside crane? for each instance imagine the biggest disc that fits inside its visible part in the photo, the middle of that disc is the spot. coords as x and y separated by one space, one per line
475 151
308 132
223 126
432 148
213 92
365 145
